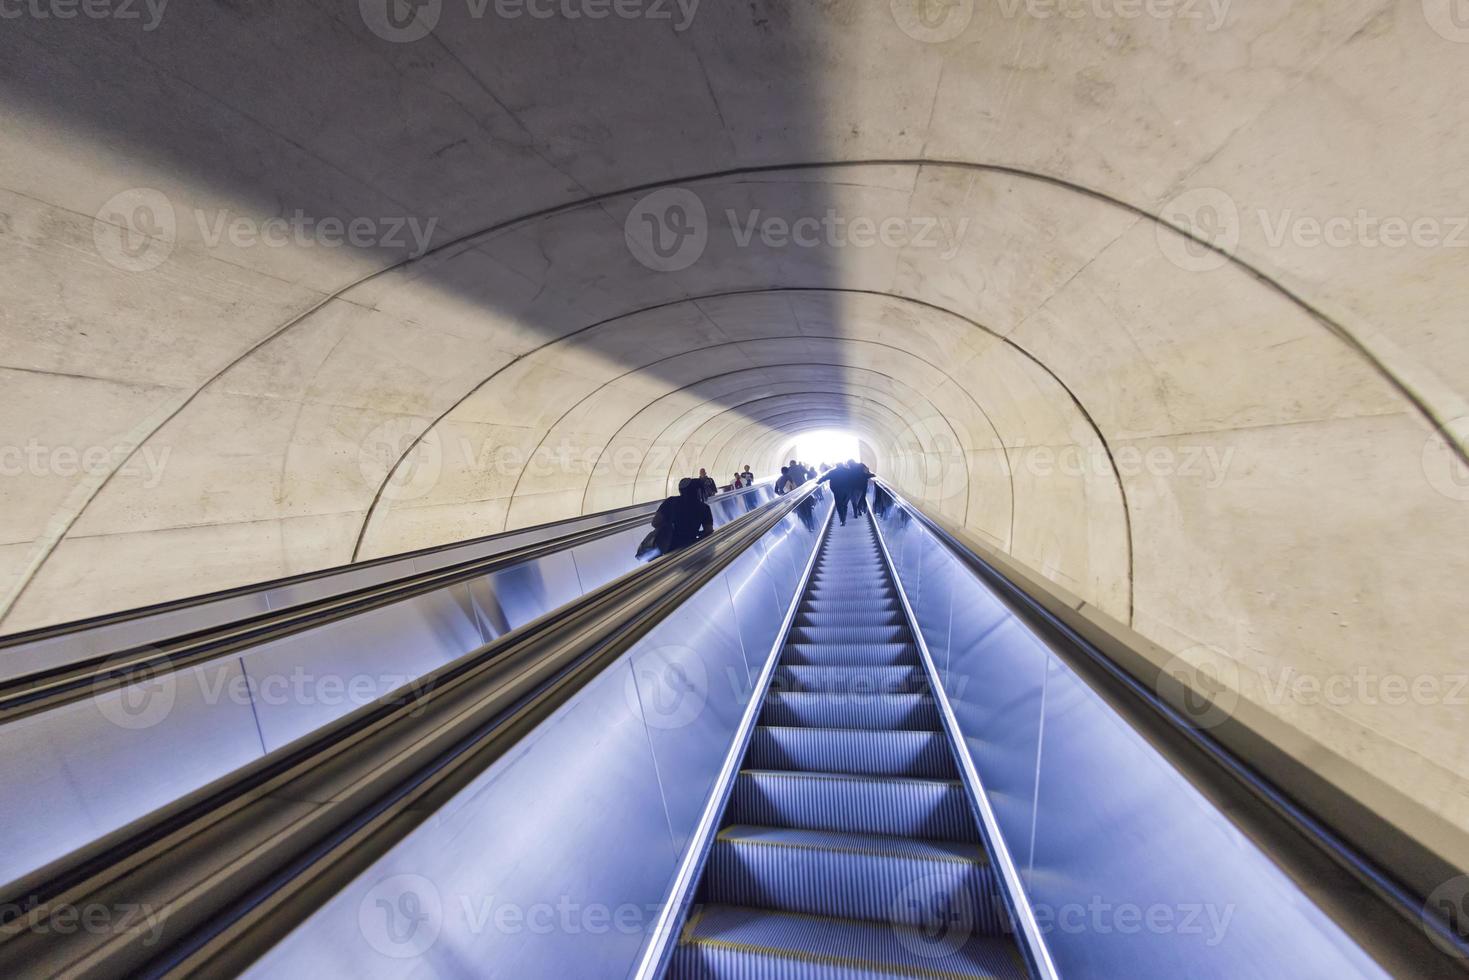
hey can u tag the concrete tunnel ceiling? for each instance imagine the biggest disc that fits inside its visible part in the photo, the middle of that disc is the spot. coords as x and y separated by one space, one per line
1087 317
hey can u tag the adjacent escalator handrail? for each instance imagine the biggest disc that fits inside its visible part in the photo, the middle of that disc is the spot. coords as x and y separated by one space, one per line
632 514
51 687
1242 767
230 868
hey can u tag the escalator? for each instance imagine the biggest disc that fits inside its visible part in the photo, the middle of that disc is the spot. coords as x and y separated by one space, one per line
848 846
790 750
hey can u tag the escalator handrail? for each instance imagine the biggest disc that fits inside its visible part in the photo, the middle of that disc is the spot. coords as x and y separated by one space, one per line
1386 860
51 687
224 896
11 640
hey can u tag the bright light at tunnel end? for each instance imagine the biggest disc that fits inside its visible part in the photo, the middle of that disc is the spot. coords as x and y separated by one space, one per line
830 446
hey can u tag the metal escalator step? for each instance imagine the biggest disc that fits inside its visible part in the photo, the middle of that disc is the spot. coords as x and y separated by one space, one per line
849 634
735 943
884 600
866 877
850 587
845 587
882 712
895 806
820 654
855 679
851 751
856 617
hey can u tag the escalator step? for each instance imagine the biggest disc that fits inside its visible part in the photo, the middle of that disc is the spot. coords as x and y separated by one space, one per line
835 604
897 806
855 876
843 750
850 653
734 943
912 712
855 679
849 634
855 617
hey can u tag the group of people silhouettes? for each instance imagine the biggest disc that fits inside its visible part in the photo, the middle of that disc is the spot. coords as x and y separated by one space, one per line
792 476
848 485
685 518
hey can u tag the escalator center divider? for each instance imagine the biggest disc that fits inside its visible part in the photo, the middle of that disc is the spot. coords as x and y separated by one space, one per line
654 962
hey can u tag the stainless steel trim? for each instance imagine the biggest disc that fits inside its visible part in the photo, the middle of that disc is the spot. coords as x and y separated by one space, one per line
660 946
1034 943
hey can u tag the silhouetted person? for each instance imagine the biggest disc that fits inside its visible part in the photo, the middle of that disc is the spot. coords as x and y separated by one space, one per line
841 488
748 476
684 519
782 480
707 486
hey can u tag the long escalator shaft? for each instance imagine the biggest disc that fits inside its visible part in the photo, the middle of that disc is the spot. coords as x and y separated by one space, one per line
848 848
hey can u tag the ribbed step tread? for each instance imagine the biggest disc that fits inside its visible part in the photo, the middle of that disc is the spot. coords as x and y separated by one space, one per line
853 752
864 877
854 679
820 654
881 712
849 634
896 806
847 603
864 617
734 943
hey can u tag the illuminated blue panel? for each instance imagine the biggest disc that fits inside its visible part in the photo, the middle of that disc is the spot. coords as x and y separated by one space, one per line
91 766
555 862
1129 869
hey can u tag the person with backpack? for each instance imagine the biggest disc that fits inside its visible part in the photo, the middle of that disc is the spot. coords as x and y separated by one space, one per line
707 486
679 521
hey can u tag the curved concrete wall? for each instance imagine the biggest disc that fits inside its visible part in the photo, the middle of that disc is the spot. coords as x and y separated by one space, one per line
1168 308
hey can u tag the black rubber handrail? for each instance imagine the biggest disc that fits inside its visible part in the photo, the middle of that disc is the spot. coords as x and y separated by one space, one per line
227 870
1373 881
52 687
11 640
